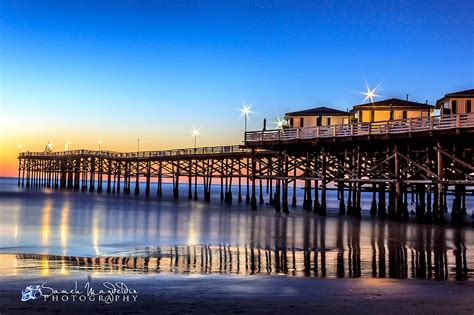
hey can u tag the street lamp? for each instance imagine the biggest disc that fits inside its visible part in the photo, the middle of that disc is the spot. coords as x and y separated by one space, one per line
245 111
138 145
68 144
19 148
49 147
195 133
100 143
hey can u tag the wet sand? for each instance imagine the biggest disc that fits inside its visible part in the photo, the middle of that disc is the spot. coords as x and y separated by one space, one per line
196 257
198 294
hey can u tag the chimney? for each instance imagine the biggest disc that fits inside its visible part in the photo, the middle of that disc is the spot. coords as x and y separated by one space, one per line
426 102
407 97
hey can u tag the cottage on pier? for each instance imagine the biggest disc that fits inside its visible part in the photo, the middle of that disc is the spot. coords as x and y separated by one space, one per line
390 109
456 103
319 116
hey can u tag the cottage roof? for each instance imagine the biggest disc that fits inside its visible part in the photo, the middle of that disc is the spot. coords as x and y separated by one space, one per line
394 103
322 110
465 93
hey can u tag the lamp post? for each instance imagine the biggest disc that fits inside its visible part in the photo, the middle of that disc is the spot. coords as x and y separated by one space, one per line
19 149
245 111
68 144
195 133
138 145
49 147
100 145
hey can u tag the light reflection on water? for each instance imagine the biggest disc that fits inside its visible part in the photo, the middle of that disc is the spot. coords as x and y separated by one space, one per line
59 233
376 262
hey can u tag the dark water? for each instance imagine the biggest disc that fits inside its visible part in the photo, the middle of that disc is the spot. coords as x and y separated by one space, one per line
49 232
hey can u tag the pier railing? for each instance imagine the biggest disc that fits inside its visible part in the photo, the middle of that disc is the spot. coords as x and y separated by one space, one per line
406 125
143 154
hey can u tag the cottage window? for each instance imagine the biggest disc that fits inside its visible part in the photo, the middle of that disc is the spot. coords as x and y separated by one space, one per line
454 107
328 121
405 114
291 122
318 121
360 116
372 116
301 122
468 106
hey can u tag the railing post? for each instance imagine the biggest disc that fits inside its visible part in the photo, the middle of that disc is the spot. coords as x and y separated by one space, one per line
370 128
334 130
409 125
458 120
352 129
318 132
431 122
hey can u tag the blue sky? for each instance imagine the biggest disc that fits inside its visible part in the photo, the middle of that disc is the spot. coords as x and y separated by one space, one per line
122 69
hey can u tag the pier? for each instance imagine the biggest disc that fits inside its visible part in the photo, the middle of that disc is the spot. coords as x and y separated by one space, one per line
421 159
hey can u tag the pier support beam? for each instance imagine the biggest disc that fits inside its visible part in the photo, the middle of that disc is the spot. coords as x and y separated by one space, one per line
322 209
159 190
276 198
293 199
148 177
176 181
253 199
284 200
373 204
247 191
137 179
439 209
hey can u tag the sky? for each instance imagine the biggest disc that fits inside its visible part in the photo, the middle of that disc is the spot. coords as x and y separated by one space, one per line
117 71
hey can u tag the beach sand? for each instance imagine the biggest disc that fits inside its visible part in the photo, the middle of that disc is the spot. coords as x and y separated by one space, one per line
209 294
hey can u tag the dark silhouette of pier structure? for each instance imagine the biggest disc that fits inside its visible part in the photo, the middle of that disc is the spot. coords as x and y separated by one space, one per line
425 158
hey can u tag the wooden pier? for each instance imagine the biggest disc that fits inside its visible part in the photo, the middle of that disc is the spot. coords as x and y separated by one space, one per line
422 158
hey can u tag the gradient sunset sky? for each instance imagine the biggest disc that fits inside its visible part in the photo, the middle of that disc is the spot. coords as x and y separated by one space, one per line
80 71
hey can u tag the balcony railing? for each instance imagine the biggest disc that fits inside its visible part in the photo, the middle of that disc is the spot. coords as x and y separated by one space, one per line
364 128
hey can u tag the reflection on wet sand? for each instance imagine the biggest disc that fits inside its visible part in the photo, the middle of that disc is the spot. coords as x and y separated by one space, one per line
347 258
72 232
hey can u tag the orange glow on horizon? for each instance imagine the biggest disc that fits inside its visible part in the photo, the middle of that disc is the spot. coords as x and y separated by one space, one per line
36 142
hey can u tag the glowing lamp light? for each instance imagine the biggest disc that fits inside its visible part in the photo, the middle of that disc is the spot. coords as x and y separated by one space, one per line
195 133
370 93
280 123
245 110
